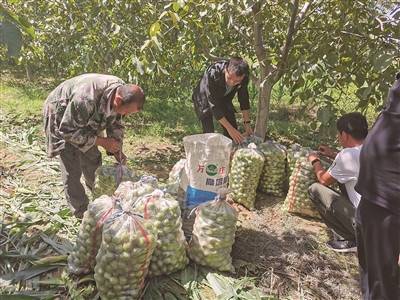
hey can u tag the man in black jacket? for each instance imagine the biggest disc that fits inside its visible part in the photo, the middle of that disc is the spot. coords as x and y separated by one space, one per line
378 215
213 97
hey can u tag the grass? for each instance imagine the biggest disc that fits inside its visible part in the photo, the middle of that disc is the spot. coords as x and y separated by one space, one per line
22 101
162 120
165 120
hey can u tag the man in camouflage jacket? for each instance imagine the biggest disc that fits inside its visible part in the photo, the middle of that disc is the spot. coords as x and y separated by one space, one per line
75 115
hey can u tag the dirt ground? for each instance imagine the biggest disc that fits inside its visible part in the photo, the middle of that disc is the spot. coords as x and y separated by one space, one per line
289 257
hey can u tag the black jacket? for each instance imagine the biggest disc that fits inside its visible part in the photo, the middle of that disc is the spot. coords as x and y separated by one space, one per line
379 177
209 95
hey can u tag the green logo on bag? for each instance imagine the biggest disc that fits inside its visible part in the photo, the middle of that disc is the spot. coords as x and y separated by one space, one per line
211 170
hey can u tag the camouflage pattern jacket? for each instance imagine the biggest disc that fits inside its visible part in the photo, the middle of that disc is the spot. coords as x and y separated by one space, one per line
78 110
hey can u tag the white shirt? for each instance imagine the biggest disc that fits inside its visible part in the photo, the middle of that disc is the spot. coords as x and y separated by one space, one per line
345 170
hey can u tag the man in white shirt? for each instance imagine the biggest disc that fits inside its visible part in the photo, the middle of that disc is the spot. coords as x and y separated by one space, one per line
338 209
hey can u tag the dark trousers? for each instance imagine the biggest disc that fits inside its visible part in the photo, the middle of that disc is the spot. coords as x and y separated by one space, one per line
378 244
336 210
208 122
74 163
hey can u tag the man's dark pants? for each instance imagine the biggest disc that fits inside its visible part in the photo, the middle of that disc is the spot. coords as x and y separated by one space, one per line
378 243
73 164
208 122
336 210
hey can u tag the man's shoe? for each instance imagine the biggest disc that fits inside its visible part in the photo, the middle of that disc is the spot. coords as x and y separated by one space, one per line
336 236
342 246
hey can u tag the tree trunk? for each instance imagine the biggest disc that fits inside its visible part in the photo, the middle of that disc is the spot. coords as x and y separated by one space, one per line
263 109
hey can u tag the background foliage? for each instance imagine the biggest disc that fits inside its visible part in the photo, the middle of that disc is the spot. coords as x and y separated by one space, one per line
328 57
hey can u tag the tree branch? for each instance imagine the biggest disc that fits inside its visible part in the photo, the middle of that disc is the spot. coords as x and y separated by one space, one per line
302 15
298 20
288 43
211 56
260 50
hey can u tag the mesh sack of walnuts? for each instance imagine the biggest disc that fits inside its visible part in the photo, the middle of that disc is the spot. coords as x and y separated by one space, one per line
213 235
247 164
252 139
108 179
294 152
297 199
273 176
82 259
122 262
130 191
170 253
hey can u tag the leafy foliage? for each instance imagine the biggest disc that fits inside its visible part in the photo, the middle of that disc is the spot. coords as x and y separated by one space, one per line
356 44
313 48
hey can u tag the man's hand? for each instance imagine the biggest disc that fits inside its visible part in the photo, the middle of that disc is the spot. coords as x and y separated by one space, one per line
110 144
248 129
326 151
120 157
236 136
312 156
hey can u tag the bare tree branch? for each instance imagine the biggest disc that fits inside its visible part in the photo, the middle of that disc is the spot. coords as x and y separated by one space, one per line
380 23
260 50
288 43
302 15
211 56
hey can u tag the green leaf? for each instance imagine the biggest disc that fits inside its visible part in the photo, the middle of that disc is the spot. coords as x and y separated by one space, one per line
32 294
18 20
221 286
175 18
50 260
383 61
27 273
155 29
329 98
314 125
162 70
62 248
332 58
175 6
86 279
52 281
166 286
18 297
363 92
299 83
